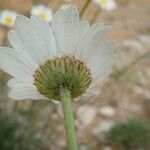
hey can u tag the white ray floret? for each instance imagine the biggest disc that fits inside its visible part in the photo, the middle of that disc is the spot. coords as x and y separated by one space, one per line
43 12
7 17
34 42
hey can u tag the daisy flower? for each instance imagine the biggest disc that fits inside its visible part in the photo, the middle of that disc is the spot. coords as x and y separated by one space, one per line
60 61
44 57
106 4
43 12
7 17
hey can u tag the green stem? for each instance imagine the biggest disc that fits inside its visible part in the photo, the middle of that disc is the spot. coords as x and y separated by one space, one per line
85 7
68 118
96 14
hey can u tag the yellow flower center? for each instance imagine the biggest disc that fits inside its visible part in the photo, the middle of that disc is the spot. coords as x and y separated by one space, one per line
9 20
103 2
43 15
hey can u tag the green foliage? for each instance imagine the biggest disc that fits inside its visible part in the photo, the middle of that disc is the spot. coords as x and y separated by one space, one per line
131 134
15 136
8 127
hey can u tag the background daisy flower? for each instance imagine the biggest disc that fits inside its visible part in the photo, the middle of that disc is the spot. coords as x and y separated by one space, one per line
43 12
106 4
7 17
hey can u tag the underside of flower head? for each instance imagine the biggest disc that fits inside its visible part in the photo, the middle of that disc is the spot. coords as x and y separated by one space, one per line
56 73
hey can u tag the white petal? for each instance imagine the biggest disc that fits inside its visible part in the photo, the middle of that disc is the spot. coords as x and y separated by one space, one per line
23 91
101 62
12 82
91 92
47 35
31 39
16 64
104 71
83 29
66 29
97 25
94 41
103 76
86 35
15 84
101 56
15 40
90 38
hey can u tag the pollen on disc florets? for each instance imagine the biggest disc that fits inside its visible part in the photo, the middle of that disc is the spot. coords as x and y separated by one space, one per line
59 72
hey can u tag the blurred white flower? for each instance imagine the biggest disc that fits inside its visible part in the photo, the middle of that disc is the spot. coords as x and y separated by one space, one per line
45 57
7 17
106 4
107 111
104 126
43 12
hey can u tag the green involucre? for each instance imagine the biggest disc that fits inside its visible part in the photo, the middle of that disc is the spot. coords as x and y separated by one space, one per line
54 74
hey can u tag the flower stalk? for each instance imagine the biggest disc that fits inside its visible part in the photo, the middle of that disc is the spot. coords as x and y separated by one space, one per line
96 14
68 117
87 3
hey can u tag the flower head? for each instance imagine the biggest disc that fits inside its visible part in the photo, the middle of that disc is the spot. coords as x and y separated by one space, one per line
106 4
46 57
7 17
43 12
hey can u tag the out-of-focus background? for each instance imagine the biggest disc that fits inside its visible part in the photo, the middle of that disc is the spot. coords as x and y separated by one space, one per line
119 118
